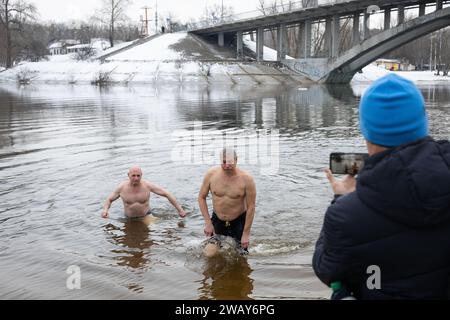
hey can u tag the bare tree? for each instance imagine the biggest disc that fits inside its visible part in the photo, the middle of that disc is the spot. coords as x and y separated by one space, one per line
171 22
85 54
217 13
32 45
445 51
346 35
13 15
278 6
266 10
113 13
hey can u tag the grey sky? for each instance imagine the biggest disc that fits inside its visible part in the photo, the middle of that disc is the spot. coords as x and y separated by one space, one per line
63 11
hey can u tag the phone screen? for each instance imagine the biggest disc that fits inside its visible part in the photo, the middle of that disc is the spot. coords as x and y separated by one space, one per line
347 163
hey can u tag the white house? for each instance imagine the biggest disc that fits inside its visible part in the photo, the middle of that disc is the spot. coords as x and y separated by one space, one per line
57 48
60 47
74 46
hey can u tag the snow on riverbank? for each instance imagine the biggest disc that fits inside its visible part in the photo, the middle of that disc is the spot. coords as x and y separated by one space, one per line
175 57
369 74
162 59
372 73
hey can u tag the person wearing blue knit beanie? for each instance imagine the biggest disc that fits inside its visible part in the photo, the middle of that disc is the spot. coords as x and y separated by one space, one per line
392 112
386 234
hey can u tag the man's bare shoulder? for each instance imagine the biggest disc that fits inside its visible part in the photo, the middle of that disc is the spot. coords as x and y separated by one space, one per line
121 186
212 172
246 175
148 184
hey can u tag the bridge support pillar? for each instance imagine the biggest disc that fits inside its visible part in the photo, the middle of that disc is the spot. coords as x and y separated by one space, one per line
387 19
239 45
401 14
366 25
260 44
307 39
439 5
356 38
335 34
328 36
422 7
281 42
300 40
221 39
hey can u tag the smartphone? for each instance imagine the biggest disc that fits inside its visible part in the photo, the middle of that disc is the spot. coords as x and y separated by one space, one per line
347 163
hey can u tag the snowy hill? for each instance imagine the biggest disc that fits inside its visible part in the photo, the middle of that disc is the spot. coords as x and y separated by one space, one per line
176 57
173 57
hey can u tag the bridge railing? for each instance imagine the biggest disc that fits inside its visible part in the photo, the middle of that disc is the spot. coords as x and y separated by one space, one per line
261 12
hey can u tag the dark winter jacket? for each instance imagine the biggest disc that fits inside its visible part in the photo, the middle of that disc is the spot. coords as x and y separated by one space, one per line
397 219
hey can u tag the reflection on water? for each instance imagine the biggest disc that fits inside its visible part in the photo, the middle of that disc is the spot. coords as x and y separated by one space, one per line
134 242
132 248
226 280
63 149
293 110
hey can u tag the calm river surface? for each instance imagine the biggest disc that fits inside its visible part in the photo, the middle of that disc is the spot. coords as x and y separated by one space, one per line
64 149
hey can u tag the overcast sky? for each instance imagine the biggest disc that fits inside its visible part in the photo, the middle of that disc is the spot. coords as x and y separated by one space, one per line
66 10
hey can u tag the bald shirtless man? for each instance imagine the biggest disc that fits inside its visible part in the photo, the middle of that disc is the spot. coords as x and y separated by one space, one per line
233 196
135 194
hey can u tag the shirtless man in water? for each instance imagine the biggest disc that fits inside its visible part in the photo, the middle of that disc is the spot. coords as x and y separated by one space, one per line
135 194
233 196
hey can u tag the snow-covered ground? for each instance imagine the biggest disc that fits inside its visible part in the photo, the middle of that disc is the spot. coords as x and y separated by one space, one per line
269 53
115 48
155 61
372 72
160 60
156 50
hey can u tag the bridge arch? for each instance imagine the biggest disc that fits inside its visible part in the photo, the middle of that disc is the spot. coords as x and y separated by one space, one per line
343 68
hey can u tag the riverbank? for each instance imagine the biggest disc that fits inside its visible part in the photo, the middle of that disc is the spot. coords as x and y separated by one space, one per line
177 57
372 73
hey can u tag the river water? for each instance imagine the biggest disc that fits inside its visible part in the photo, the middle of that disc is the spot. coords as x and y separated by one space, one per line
64 149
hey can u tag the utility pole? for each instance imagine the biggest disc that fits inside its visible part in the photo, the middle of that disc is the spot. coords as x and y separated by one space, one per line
145 21
440 49
156 17
435 52
431 52
222 12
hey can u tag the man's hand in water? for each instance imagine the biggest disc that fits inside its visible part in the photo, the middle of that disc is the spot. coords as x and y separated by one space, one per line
182 213
245 241
341 187
209 230
105 214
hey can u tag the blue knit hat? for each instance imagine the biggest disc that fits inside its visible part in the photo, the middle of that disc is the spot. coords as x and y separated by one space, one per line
392 112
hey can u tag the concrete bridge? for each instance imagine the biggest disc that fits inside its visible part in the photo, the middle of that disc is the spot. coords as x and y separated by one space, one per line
335 66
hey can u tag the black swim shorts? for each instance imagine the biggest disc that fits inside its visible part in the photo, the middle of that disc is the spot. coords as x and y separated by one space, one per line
233 229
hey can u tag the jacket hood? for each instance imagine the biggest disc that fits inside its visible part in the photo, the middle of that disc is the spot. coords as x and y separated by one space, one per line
409 184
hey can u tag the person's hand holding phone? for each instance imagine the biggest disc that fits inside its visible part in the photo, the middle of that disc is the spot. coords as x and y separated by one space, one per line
341 187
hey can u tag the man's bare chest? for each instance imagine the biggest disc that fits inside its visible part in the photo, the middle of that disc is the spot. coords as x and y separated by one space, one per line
131 196
234 189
